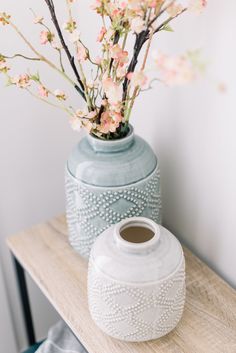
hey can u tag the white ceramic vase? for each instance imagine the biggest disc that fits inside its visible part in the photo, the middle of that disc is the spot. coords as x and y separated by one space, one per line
136 280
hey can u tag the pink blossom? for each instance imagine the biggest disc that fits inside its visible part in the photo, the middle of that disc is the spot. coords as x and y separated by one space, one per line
123 4
113 91
116 117
75 122
70 26
137 78
45 37
108 123
135 5
82 113
174 9
101 34
82 54
74 36
153 3
121 56
88 125
96 4
137 25
98 60
175 70
92 115
21 81
43 92
56 44
197 6
109 33
121 71
116 13
3 65
38 19
59 94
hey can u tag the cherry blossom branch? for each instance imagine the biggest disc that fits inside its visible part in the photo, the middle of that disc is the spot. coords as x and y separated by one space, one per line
147 51
115 41
139 42
137 88
51 8
43 58
141 38
163 24
161 12
47 101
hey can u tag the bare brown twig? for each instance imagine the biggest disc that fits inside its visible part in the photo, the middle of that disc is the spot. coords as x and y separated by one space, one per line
21 56
141 38
51 8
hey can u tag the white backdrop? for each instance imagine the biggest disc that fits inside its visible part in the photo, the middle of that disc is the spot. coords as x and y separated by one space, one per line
192 130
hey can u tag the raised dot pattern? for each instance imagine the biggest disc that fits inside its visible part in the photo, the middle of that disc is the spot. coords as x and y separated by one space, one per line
136 312
91 210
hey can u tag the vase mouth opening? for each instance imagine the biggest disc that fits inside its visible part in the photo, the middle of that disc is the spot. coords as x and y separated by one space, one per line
137 234
115 145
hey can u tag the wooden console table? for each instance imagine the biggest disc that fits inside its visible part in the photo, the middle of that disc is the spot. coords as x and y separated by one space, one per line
208 324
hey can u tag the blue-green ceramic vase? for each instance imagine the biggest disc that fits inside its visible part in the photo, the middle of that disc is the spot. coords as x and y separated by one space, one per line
107 181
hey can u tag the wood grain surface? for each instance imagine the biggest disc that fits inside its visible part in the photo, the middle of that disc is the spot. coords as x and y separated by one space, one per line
208 324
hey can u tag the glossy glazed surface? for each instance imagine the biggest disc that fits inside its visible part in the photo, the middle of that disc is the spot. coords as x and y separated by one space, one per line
112 163
146 262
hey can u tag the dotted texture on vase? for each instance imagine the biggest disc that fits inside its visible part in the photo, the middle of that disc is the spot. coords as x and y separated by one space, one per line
136 313
91 210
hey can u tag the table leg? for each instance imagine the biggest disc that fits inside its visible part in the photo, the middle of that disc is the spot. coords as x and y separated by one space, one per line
24 296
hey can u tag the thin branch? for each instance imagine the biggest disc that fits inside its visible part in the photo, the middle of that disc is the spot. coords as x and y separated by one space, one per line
161 12
137 88
163 24
21 56
115 41
44 59
139 42
60 59
150 84
147 51
102 108
51 8
47 102
141 38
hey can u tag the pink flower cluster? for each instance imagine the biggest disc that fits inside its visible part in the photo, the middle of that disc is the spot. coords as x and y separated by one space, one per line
118 74
4 67
175 70
21 81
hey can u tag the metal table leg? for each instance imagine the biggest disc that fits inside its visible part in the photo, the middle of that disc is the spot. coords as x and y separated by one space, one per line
24 296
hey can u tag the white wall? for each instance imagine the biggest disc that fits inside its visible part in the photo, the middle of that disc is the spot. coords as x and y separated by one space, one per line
191 129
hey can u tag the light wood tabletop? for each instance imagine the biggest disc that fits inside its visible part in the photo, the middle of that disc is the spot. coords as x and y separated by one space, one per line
208 324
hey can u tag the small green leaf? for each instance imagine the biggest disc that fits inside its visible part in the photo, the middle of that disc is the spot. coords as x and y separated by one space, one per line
35 77
167 28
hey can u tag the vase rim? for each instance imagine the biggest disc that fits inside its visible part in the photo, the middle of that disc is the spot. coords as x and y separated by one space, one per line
130 133
115 145
137 247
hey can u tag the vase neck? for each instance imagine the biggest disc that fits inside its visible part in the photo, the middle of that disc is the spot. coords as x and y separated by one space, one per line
109 146
137 235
